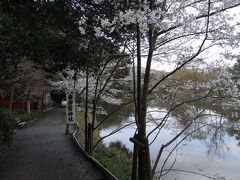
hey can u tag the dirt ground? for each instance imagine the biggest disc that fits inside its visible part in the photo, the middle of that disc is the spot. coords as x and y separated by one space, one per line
41 151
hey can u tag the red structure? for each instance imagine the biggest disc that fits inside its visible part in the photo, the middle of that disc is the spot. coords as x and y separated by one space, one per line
5 102
19 105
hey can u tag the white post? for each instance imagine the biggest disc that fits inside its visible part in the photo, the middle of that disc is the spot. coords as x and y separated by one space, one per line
70 110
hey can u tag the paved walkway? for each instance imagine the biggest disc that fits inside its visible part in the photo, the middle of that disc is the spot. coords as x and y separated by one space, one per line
42 152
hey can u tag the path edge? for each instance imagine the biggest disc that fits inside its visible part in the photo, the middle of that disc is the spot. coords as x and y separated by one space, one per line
94 161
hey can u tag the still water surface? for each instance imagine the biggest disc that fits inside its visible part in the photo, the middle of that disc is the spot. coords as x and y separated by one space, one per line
210 151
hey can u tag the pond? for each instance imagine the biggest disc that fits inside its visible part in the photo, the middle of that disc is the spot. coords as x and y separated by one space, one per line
213 150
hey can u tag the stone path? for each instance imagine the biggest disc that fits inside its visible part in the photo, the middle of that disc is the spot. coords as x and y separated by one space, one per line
41 151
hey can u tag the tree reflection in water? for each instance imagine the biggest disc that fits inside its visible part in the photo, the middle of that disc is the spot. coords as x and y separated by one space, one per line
210 132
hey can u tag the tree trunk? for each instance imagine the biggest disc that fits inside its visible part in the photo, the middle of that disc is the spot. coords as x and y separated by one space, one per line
11 101
144 160
90 138
86 114
144 163
135 160
144 154
29 103
92 124
42 100
28 106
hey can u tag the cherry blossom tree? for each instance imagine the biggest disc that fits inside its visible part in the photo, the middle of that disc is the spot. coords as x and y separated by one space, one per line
97 85
172 31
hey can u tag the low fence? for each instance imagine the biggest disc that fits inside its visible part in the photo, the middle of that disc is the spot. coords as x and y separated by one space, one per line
94 161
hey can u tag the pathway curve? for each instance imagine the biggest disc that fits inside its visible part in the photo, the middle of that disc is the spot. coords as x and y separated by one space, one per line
42 152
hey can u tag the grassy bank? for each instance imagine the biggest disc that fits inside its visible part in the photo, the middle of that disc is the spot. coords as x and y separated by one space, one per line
23 116
115 157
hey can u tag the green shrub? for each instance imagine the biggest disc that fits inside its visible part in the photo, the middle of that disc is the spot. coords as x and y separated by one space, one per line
116 159
7 126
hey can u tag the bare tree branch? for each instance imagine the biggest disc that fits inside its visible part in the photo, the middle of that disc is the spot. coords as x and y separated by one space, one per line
114 111
199 17
192 172
113 132
190 59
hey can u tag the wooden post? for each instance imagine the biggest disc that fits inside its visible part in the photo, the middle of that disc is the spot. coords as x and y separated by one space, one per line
29 103
135 160
90 139
28 106
42 100
67 129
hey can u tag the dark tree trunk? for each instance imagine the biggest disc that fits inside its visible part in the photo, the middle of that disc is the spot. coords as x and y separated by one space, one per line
144 163
86 114
135 160
144 160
